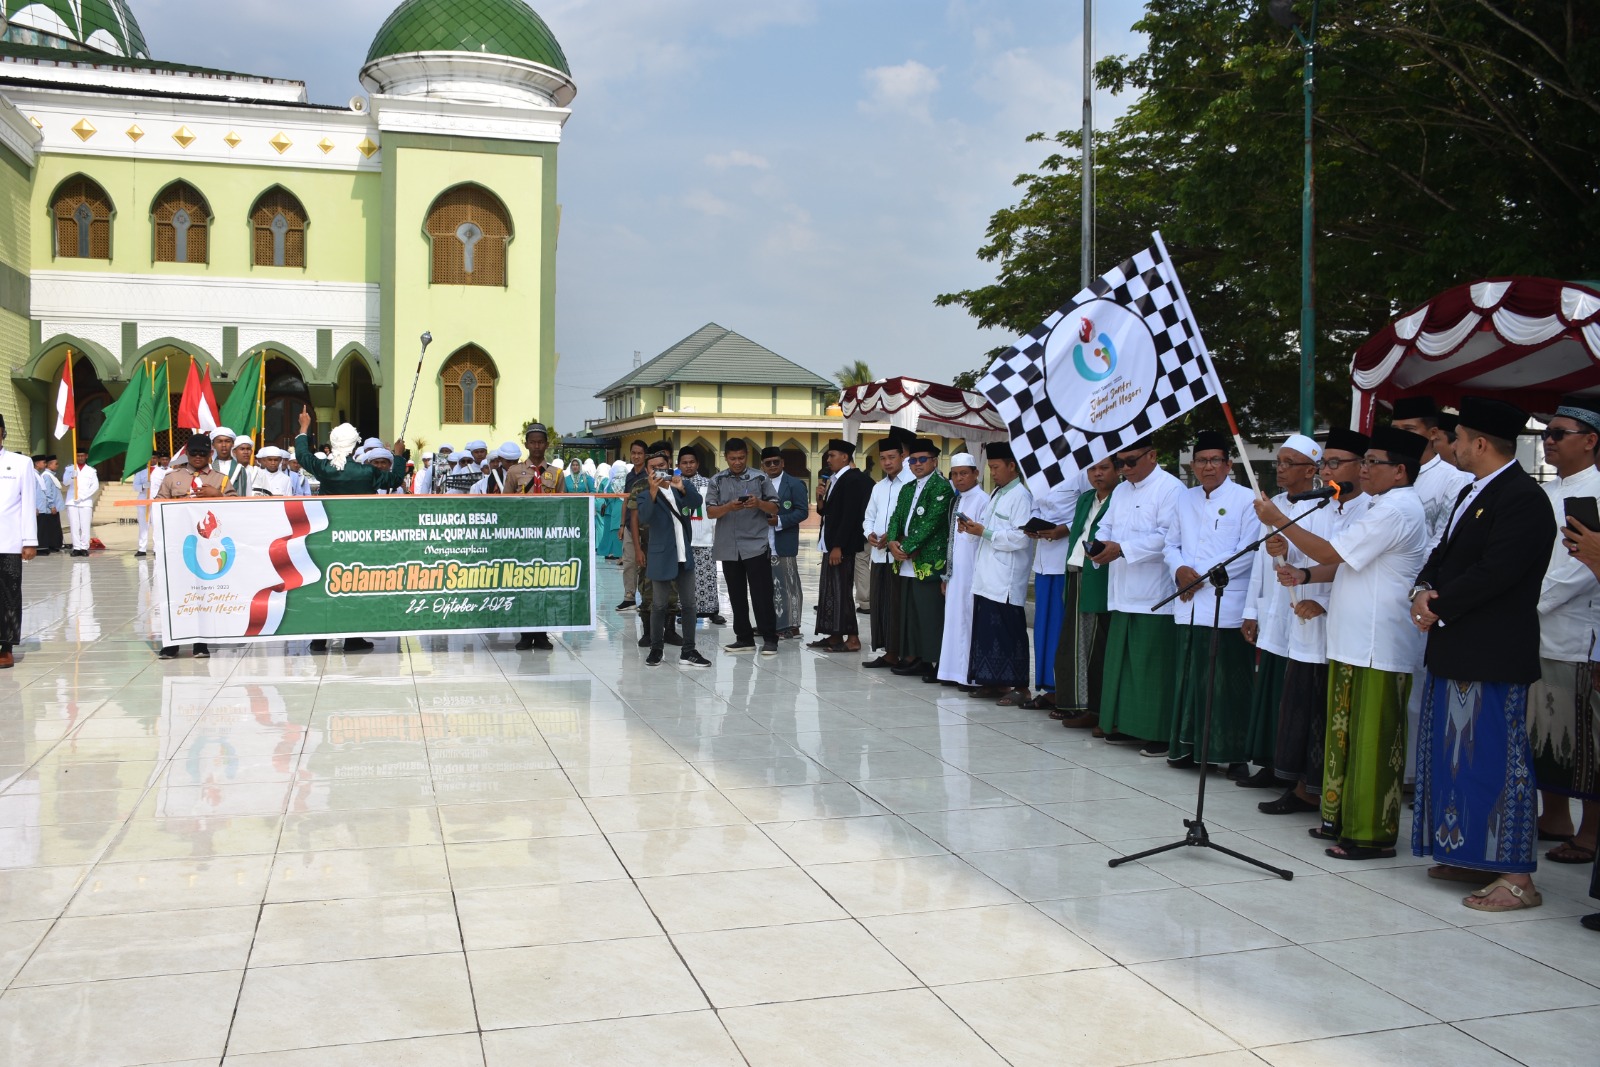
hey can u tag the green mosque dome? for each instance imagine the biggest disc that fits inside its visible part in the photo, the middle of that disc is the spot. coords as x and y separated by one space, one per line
106 26
497 27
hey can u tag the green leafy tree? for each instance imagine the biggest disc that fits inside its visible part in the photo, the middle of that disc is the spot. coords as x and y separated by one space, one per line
851 374
1455 140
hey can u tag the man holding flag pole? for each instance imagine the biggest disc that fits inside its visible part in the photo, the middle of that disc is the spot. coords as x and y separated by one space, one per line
1093 381
81 482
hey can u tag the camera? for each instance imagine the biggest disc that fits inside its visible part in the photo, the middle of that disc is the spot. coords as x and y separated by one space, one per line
661 476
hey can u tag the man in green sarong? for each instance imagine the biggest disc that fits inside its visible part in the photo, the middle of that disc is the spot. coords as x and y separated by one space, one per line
1081 655
1141 641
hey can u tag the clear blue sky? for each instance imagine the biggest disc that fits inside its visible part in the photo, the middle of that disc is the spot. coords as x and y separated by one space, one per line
809 173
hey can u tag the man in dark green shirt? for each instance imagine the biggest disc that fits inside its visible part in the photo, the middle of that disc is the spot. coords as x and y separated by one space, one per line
342 476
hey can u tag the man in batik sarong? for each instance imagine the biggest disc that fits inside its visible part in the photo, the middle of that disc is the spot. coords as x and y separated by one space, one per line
1372 648
1566 751
1478 601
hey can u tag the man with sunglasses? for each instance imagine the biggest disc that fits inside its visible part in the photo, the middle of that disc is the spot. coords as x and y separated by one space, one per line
1141 641
1372 647
1270 611
1566 750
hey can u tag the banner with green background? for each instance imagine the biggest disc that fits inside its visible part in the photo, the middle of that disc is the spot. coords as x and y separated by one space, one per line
268 568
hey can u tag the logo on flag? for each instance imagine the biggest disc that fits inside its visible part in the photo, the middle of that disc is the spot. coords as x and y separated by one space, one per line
1123 358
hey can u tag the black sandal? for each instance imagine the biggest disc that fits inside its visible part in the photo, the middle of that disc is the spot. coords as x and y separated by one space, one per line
1358 852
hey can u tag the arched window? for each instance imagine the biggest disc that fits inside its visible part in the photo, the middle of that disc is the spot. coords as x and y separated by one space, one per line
278 229
82 215
469 229
468 380
182 218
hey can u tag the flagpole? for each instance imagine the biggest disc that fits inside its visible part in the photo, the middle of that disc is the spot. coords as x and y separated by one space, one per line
261 405
154 433
1211 368
72 392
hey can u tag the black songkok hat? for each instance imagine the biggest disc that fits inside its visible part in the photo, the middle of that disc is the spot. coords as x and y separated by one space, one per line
1400 444
772 452
840 445
999 450
1212 440
923 444
1347 441
1448 421
199 445
39 458
1493 417
1415 407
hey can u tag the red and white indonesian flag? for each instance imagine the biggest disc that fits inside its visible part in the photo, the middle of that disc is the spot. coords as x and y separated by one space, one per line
225 581
66 409
197 410
1121 359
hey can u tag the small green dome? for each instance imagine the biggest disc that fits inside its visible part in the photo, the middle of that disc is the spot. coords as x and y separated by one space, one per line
499 27
99 25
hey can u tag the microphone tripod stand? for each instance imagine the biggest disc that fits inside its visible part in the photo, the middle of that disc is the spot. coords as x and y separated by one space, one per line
1198 836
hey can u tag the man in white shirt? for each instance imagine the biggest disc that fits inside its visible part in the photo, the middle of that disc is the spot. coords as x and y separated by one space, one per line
1373 647
1438 484
245 476
1050 608
19 539
273 479
998 657
49 505
1141 641
222 440
1269 610
880 508
1566 751
1214 522
1303 703
145 483
299 483
973 503
493 481
79 486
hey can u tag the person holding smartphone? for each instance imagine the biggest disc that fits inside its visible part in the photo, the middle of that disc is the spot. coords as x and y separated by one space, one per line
1560 727
741 500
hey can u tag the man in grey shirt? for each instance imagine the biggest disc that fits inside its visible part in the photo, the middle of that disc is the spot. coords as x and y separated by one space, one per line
741 499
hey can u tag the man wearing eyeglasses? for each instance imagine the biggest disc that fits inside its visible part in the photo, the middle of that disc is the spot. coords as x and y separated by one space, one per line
1214 521
1141 641
1566 751
1372 647
1302 711
920 544
1269 610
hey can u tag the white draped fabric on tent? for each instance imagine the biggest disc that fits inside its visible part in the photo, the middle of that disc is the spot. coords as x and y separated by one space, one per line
923 408
1525 340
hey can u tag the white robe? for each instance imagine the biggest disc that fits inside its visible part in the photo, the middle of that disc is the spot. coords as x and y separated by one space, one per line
78 490
956 648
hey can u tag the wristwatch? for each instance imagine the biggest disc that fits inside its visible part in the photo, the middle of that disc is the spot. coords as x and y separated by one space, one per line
1420 587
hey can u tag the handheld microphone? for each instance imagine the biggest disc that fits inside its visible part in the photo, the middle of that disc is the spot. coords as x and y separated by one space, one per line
1335 491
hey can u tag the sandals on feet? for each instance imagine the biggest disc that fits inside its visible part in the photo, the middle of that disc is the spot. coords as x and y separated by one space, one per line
1014 699
1570 852
1322 835
1445 872
1358 852
1521 898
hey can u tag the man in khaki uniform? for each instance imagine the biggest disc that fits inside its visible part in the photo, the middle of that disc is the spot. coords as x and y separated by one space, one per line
195 479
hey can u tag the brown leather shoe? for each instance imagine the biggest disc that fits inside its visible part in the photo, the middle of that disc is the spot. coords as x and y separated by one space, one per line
6 660
1098 732
1081 722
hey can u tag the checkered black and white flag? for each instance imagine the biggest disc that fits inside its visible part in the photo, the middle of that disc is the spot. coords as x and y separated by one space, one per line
1122 359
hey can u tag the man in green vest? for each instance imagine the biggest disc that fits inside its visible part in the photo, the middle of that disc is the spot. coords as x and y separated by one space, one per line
919 541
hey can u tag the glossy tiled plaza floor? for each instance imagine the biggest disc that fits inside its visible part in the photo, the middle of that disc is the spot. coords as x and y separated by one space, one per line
454 853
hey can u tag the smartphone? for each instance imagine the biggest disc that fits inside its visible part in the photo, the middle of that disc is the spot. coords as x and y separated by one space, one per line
962 518
1095 547
1038 525
1585 510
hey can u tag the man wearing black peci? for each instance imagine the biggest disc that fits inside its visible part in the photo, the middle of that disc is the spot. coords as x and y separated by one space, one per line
843 507
1477 600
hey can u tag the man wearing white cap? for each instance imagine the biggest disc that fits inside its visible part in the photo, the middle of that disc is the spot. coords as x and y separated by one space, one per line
222 451
973 503
1270 611
431 478
494 480
273 479
419 476
245 476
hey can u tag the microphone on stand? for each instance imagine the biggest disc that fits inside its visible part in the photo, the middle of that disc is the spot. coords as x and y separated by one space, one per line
1335 491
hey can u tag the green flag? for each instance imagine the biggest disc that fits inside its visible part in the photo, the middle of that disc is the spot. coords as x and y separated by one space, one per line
120 417
142 434
162 396
240 412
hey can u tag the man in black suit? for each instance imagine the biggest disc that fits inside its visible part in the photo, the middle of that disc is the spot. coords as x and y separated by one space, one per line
1477 600
843 507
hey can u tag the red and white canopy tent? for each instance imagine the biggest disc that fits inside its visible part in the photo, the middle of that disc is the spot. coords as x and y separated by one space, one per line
1525 340
923 408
